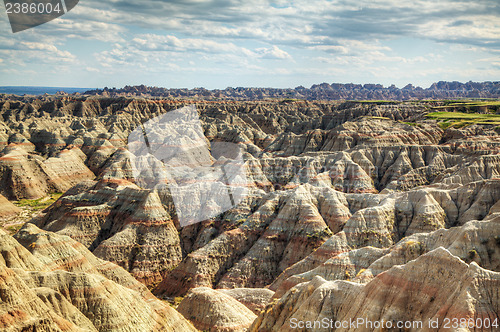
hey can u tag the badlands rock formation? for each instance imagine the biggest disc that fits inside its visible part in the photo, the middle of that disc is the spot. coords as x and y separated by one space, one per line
211 310
353 210
49 282
117 219
435 286
254 299
7 209
324 91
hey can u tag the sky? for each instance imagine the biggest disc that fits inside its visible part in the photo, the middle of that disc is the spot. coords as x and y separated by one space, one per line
256 43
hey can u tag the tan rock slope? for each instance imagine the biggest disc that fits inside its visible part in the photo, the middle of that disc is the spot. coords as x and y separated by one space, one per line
212 310
55 284
477 241
408 216
254 299
30 176
7 209
121 223
435 287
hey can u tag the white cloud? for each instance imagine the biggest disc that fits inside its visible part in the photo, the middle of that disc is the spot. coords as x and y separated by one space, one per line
82 28
168 51
92 69
273 53
25 53
49 48
474 29
151 42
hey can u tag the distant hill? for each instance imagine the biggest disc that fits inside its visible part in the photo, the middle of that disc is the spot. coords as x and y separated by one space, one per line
323 91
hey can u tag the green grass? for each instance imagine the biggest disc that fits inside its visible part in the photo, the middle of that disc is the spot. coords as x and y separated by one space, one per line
459 119
477 103
290 100
325 233
40 203
413 124
470 105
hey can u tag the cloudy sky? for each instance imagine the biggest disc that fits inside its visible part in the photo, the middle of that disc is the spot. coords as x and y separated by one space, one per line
262 43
